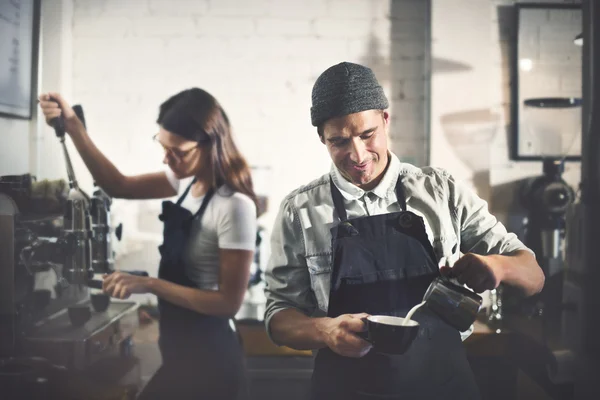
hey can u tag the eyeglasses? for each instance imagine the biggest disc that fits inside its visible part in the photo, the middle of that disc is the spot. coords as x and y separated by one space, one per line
177 154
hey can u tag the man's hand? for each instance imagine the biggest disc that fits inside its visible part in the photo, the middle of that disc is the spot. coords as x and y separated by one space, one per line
480 273
339 334
122 285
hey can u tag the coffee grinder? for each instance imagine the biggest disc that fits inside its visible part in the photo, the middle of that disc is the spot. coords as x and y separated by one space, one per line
555 125
547 199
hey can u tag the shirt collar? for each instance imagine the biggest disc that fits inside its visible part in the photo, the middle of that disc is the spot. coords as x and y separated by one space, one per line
387 184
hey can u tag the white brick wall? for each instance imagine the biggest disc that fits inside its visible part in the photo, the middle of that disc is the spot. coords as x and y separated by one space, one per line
283 27
183 8
259 58
300 9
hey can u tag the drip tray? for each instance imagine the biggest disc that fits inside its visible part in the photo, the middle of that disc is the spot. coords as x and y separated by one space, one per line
105 334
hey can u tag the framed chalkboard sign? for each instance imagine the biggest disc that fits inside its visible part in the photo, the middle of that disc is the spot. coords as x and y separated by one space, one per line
19 38
547 85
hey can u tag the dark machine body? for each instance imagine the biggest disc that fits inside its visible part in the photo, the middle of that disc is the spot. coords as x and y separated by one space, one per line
54 330
547 199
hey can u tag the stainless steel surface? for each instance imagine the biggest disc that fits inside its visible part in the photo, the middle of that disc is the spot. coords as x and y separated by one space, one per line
551 243
454 304
75 193
77 216
70 171
76 276
78 237
8 210
32 279
45 266
102 254
495 314
41 277
79 347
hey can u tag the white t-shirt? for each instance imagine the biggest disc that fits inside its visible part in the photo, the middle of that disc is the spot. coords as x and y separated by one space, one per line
229 222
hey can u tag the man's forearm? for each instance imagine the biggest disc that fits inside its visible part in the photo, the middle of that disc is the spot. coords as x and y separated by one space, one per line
521 271
293 329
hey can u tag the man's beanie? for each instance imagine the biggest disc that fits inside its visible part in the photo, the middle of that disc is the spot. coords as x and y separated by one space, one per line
343 89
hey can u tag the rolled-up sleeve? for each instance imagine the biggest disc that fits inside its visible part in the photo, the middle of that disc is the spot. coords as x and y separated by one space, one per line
480 231
287 276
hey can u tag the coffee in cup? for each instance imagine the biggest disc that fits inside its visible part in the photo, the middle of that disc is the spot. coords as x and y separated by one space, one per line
389 334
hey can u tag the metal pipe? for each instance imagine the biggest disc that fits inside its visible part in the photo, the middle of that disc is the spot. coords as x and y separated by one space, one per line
70 172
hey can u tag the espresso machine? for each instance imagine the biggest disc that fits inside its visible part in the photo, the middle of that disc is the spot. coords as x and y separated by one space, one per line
55 331
547 199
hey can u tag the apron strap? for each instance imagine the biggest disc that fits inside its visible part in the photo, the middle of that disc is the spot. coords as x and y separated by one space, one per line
205 201
204 204
185 193
338 200
401 198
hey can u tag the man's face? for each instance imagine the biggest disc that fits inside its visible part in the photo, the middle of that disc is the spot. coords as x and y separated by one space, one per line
357 144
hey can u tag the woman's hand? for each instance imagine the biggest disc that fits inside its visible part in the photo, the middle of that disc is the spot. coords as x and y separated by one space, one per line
53 105
122 285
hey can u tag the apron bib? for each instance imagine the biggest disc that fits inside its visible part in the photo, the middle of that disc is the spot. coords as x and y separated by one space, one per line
382 265
202 357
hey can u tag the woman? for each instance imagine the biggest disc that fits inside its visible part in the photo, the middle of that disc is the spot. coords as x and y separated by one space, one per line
208 241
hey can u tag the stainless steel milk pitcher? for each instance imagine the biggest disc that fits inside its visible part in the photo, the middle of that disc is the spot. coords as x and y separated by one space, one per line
454 304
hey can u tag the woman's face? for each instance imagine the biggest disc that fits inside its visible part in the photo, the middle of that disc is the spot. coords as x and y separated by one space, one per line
185 157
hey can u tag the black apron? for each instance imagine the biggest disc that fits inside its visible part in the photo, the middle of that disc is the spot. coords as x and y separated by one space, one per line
202 357
382 265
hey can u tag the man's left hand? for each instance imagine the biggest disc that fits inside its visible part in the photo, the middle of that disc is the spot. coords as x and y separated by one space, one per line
122 285
480 273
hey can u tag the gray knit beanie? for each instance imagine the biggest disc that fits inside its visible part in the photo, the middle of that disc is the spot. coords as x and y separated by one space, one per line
345 88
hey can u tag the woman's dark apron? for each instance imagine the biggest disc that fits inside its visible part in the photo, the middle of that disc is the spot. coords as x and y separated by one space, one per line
202 357
382 265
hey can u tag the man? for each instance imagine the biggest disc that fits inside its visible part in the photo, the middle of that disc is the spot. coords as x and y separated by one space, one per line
368 238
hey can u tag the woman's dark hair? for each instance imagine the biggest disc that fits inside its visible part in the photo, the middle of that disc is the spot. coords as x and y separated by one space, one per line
196 115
